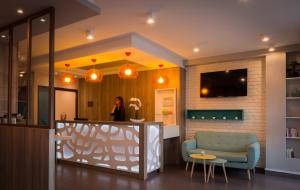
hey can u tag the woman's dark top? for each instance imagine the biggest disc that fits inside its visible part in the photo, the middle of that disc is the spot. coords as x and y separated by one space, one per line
119 114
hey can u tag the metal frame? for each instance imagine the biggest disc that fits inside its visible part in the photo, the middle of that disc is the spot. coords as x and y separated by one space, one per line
10 27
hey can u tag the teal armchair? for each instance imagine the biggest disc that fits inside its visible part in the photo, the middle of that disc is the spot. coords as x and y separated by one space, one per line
241 150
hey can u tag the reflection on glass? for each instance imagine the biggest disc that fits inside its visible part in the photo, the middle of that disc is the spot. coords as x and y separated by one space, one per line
40 71
19 75
4 39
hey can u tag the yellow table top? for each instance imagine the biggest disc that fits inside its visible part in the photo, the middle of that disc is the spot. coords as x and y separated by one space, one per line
203 156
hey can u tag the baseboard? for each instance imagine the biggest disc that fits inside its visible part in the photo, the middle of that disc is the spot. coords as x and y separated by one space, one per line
282 173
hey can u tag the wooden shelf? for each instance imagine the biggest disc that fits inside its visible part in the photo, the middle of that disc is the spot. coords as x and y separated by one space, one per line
293 98
221 115
296 158
293 78
295 138
292 117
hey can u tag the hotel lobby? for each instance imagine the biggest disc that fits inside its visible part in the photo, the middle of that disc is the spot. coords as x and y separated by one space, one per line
149 94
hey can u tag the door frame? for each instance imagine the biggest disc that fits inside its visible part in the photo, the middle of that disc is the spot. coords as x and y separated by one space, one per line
61 89
67 90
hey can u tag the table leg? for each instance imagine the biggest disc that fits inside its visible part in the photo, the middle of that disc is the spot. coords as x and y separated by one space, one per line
209 172
193 165
224 170
204 165
187 166
213 172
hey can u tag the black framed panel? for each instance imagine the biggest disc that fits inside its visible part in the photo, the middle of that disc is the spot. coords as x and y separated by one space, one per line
20 83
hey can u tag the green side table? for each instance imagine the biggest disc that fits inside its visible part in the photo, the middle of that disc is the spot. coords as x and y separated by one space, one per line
211 170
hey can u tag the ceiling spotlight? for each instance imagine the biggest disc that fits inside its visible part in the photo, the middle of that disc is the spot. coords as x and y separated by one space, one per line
89 35
3 36
265 38
150 19
271 49
43 20
196 49
20 11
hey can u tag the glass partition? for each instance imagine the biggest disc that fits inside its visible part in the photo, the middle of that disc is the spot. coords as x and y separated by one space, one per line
40 71
19 98
27 70
4 49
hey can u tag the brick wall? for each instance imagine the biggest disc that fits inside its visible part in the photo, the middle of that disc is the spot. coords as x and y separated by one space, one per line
253 104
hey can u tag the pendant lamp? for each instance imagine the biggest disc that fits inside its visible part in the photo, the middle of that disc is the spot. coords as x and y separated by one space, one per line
93 75
67 78
128 71
161 79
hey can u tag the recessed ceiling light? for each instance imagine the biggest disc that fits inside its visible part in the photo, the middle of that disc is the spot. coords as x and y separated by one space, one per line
3 36
271 49
196 49
89 35
150 19
20 11
43 20
265 38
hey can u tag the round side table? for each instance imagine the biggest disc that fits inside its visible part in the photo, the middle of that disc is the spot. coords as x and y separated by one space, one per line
211 170
204 158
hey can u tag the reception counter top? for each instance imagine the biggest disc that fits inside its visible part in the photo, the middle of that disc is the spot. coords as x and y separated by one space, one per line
130 148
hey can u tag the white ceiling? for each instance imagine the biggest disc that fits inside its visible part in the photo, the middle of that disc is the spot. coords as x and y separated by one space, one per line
218 26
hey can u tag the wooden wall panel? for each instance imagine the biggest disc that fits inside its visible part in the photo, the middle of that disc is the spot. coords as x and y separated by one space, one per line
12 154
103 94
24 158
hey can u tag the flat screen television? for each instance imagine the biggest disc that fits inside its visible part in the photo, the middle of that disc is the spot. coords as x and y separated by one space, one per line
228 83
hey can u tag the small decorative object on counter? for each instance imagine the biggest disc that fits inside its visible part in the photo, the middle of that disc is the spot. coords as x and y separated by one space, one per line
4 119
13 120
291 132
136 104
290 153
63 116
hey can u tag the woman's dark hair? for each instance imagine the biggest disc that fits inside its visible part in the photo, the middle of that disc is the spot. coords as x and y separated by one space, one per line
121 101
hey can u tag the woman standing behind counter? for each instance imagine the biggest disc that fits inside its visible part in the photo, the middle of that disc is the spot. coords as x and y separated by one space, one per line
118 111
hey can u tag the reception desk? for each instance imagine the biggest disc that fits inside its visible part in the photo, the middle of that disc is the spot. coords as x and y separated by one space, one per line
134 149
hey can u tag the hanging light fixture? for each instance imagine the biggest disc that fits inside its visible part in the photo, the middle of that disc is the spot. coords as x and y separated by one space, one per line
128 71
93 75
67 78
161 79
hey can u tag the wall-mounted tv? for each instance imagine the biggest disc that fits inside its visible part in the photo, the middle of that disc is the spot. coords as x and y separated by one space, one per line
229 83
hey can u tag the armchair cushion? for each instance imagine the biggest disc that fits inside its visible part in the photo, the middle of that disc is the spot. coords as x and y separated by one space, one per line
253 154
186 147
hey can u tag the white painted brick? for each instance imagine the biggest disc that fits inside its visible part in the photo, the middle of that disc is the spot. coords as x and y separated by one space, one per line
253 105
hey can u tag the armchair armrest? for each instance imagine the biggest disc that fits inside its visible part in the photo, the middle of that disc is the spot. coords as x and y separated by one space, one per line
186 146
253 154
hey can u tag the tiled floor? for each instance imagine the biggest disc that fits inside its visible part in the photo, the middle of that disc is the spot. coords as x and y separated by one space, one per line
174 178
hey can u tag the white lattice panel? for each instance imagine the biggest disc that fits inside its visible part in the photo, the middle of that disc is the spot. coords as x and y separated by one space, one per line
105 145
153 148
